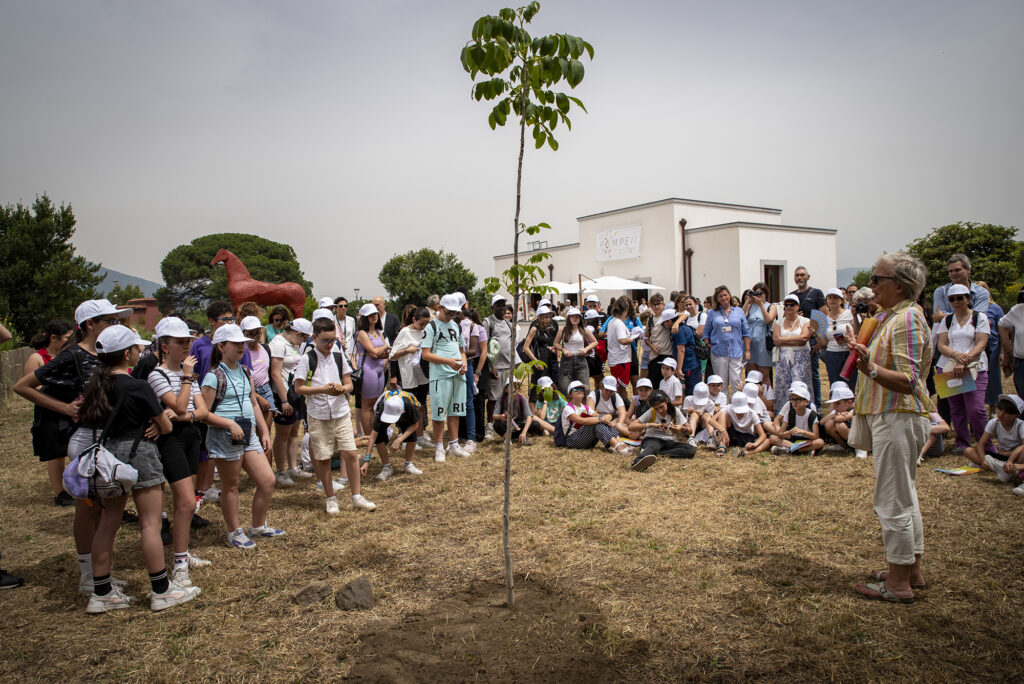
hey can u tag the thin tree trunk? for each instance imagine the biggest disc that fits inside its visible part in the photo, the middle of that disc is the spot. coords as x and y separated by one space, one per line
510 596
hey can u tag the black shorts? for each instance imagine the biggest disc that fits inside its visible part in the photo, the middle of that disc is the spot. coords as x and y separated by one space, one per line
51 433
740 439
382 435
179 451
595 366
297 414
634 362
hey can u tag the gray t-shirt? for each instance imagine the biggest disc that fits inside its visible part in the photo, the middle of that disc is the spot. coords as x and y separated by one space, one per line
656 422
501 330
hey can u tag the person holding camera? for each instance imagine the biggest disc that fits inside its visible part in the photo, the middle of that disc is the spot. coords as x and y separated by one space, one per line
760 316
835 352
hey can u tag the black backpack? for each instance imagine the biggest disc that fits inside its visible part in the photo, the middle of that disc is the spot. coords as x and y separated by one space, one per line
559 434
974 320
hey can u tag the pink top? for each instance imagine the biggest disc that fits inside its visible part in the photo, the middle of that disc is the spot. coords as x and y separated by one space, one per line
260 366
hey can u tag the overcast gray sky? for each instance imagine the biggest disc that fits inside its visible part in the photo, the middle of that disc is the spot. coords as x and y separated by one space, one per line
346 128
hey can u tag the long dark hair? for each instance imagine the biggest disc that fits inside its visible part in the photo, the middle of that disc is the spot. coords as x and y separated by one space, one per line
407 314
81 331
364 323
96 404
570 328
57 326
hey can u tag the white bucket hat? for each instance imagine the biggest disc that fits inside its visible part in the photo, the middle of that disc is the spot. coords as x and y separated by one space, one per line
840 390
229 333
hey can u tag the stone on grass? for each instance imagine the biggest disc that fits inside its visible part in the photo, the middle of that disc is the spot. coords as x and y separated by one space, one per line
357 594
314 592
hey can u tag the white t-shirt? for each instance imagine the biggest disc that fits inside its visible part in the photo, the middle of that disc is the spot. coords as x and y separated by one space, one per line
163 381
742 422
606 406
673 387
762 411
568 427
1006 440
617 353
838 327
961 339
720 399
801 421
324 406
689 406
1014 320
289 353
696 321
655 421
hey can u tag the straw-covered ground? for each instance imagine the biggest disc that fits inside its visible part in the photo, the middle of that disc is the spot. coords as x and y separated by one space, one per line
704 569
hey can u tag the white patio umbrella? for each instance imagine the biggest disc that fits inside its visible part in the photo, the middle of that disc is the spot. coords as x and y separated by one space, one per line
566 288
617 283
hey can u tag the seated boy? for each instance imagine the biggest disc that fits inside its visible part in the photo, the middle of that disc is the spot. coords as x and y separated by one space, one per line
766 393
549 405
837 422
638 404
796 422
662 426
396 417
739 426
519 419
607 402
759 408
1000 447
715 384
671 385
935 445
700 411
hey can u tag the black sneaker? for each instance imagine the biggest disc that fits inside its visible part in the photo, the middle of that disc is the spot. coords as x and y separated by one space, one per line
643 462
9 581
129 517
63 499
199 522
165 531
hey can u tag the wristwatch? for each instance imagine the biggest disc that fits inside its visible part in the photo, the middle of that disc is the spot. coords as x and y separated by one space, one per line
873 373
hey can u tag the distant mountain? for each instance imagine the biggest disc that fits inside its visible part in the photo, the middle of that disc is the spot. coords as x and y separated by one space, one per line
148 287
844 276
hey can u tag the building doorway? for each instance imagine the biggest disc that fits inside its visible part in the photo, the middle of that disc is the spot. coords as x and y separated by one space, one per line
774 279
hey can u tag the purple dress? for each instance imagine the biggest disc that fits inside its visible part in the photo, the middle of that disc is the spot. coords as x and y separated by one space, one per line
373 369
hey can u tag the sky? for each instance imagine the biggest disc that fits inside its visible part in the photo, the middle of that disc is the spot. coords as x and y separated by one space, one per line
346 129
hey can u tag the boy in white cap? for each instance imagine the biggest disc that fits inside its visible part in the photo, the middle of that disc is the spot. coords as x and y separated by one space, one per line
1001 445
838 421
715 385
764 390
609 406
797 422
740 428
670 382
700 410
444 349
757 405
395 421
326 384
638 403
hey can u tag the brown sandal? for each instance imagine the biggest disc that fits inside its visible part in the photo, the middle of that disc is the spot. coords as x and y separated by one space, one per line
882 575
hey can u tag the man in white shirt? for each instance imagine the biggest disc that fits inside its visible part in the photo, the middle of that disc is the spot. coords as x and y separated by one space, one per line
345 326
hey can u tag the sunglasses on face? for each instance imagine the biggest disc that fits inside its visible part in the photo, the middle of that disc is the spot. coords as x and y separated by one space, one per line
226 319
277 321
785 304
873 280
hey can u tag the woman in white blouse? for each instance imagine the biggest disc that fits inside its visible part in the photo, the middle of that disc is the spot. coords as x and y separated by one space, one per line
836 352
962 338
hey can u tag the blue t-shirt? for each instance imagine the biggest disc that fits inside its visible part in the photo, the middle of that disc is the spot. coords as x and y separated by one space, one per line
685 337
203 347
236 402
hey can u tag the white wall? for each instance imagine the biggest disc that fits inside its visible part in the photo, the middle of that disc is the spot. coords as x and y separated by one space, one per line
813 250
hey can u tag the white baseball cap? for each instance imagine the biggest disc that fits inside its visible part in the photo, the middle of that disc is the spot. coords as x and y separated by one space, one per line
573 311
667 315
840 390
755 377
740 402
670 362
800 390
610 383
835 291
644 382
229 333
591 313
792 298
368 309
319 313
325 302
305 326
394 407
715 380
250 323
701 394
462 299
449 302
172 326
1014 399
545 382
94 308
752 391
957 289
637 332
543 309
592 298
115 338
498 298
576 384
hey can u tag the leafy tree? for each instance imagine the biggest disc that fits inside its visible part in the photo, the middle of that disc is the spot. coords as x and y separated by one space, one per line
412 277
191 282
519 72
122 295
993 251
860 278
41 277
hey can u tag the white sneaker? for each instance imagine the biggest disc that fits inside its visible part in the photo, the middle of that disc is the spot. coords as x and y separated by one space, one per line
298 474
997 468
197 562
283 480
85 583
115 600
359 501
439 453
332 506
489 433
456 450
180 577
411 469
1019 490
211 495
339 484
385 472
469 446
860 453
424 442
692 442
174 595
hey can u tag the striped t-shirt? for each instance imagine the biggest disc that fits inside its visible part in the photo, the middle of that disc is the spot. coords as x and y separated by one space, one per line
902 343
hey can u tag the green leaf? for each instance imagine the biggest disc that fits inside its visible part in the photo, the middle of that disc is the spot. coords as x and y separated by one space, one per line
563 46
530 10
552 143
578 102
539 137
547 46
589 48
562 102
575 73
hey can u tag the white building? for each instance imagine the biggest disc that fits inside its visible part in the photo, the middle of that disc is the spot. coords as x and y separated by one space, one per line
691 245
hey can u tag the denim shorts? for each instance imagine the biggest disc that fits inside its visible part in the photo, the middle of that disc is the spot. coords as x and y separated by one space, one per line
219 444
267 392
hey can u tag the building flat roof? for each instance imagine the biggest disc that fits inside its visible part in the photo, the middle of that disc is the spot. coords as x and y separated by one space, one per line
680 200
542 249
763 226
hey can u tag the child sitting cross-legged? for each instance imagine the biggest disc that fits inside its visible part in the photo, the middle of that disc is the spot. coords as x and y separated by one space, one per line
837 422
1001 444
662 427
638 404
758 407
519 419
582 426
549 405
796 422
740 427
699 410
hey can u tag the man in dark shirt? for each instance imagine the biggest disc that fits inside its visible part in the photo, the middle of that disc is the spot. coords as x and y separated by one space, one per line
811 299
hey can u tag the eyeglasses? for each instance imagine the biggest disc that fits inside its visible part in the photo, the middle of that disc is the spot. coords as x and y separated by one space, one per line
226 319
109 321
785 304
875 278
341 306
957 298
252 334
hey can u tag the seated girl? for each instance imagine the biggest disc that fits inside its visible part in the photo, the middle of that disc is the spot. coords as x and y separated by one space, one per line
1001 444
582 426
662 427
520 418
700 411
549 405
608 403
796 424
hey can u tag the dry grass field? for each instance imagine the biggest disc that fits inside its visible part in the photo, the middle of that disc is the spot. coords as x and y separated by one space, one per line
710 569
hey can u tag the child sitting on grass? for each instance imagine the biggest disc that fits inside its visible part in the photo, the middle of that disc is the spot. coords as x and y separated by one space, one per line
715 385
582 426
671 385
796 422
700 410
520 419
640 401
662 426
837 422
935 445
760 409
549 405
1001 444
739 426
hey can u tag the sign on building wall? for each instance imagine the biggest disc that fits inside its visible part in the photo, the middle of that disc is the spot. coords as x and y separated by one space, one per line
618 243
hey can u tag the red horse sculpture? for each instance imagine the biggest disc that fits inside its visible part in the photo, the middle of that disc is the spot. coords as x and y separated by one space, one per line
242 288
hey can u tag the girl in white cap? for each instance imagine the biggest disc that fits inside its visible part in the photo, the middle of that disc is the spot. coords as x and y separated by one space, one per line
583 428
549 405
699 409
837 421
573 342
372 351
57 389
126 411
227 389
609 406
797 423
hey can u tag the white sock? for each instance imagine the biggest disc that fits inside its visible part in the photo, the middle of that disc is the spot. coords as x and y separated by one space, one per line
163 515
452 443
180 561
85 563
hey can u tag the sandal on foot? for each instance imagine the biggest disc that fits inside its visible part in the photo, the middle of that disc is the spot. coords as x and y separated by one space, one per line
882 575
720 451
880 592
